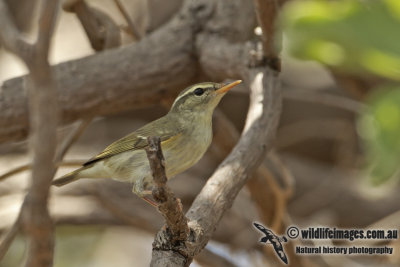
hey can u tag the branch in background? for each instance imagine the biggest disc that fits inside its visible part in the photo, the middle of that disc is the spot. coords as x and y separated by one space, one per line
267 13
69 140
131 77
10 35
9 238
270 198
169 206
327 99
77 203
131 26
340 131
284 192
67 143
34 219
211 259
72 137
100 29
139 75
47 21
26 167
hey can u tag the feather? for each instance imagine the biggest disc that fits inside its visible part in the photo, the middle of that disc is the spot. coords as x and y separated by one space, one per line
166 129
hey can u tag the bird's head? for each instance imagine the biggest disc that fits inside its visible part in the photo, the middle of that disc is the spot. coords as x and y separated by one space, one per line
201 98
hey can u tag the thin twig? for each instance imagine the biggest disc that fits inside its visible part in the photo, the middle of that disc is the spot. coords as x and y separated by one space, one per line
27 167
335 129
111 205
132 27
10 36
71 139
169 206
9 238
64 147
336 101
287 176
100 29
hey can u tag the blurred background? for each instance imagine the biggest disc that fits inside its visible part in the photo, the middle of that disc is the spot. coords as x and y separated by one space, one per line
335 160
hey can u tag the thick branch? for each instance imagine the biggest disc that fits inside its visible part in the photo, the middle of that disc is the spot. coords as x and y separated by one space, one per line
140 74
113 81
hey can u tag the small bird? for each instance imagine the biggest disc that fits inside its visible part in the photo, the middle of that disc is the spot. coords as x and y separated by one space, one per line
185 133
275 240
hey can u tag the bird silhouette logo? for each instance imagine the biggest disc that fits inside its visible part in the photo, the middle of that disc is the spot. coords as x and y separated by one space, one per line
273 239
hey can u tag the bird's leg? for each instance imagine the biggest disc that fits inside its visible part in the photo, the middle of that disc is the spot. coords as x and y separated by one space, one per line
140 188
150 201
147 198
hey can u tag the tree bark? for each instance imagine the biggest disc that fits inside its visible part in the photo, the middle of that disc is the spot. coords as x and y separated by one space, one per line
144 73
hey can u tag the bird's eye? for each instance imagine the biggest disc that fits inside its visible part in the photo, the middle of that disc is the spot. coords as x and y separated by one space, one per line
198 91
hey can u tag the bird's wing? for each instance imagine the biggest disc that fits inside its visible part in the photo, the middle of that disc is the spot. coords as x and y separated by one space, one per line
166 130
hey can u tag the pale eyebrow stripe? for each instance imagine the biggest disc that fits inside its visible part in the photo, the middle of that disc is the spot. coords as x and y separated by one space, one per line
190 90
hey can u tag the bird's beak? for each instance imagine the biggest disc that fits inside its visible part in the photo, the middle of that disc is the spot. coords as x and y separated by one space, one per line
226 87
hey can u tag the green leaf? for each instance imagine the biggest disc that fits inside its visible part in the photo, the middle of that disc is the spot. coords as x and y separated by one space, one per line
380 129
356 36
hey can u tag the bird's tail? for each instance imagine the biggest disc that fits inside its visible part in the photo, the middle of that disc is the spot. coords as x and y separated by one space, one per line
68 178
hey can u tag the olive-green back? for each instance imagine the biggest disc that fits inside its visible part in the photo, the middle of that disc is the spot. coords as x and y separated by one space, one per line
165 128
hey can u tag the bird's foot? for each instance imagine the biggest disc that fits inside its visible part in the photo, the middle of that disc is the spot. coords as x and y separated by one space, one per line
150 201
146 196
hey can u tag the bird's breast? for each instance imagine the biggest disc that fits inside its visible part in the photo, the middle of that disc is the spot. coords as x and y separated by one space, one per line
180 152
187 149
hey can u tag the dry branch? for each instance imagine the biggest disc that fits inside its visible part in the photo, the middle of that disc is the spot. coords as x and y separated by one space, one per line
331 100
34 218
27 167
139 75
101 30
69 140
169 206
9 238
267 13
113 81
131 25
269 197
10 36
